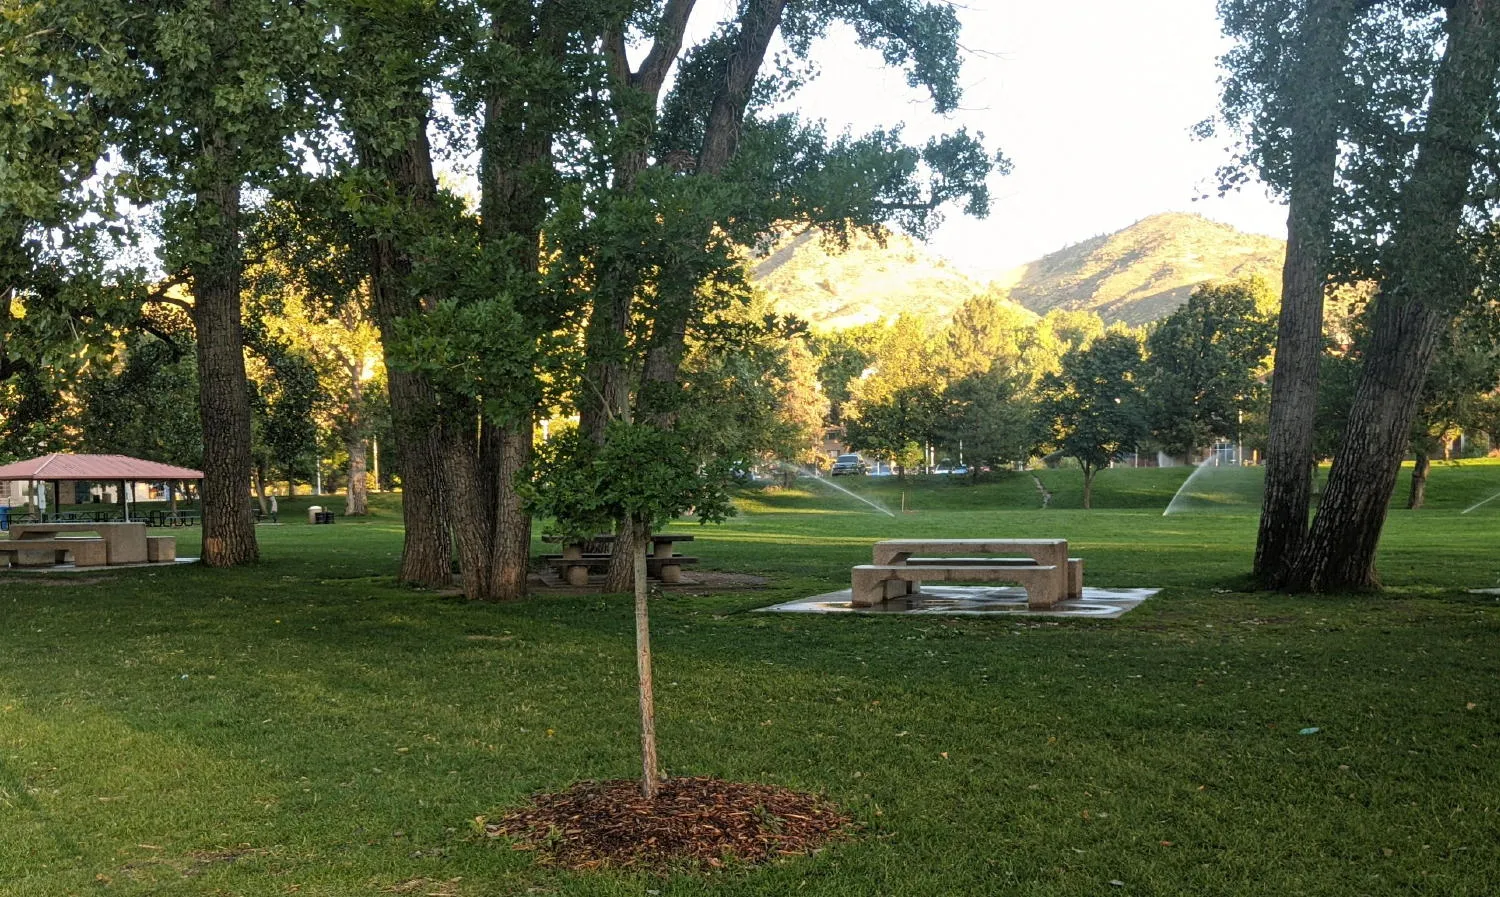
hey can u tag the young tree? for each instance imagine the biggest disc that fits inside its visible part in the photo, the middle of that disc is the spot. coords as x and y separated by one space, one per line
1095 404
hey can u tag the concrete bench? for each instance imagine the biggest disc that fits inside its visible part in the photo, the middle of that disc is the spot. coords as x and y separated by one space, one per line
575 570
86 552
876 583
1075 567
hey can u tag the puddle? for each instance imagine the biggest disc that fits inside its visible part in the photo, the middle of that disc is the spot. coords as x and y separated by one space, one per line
1098 603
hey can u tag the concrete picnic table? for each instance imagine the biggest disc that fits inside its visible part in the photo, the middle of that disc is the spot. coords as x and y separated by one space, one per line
1060 576
124 543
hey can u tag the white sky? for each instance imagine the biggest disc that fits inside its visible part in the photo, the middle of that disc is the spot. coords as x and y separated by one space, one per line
1091 100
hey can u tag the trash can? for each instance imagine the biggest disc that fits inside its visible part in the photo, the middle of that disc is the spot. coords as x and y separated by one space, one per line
4 517
313 513
325 517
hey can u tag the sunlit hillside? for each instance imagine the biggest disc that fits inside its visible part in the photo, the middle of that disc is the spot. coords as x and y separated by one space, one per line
868 282
1145 271
1135 275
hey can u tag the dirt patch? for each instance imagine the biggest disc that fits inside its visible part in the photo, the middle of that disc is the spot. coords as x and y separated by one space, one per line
699 823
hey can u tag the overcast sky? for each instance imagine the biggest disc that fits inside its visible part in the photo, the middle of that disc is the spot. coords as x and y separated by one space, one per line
1091 100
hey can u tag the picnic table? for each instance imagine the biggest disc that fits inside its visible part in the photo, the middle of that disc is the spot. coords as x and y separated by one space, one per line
900 566
662 563
123 543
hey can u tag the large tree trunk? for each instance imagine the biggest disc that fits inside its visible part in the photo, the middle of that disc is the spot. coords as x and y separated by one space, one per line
223 391
426 554
1428 273
1418 495
1299 338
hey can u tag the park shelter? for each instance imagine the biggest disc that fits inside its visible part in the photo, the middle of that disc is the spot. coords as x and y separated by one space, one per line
56 468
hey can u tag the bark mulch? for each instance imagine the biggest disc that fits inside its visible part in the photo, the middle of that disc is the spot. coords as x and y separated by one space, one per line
701 823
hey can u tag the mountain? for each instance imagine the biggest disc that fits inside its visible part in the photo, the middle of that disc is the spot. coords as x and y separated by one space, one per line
1145 271
1135 275
833 289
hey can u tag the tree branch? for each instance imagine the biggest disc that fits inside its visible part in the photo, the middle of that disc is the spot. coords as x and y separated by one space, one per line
664 47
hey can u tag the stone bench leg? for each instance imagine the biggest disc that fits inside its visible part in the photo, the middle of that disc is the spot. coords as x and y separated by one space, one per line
868 588
671 573
89 554
1041 592
161 549
1075 577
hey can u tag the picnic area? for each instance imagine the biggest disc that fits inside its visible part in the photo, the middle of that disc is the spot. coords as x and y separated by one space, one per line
308 726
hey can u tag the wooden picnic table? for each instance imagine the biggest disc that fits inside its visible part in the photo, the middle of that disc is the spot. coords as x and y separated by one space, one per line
124 543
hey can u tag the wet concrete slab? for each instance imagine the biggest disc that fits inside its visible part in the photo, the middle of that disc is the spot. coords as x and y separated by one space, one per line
1098 603
71 568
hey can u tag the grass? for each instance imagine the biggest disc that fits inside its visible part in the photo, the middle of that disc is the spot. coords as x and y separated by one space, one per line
308 727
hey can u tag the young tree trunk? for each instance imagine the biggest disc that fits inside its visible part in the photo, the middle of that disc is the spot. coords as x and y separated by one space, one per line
1299 337
1418 494
1428 273
650 767
1088 487
223 393
356 500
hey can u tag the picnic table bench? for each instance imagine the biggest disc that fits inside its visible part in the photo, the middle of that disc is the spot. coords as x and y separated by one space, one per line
121 543
84 552
1045 571
662 563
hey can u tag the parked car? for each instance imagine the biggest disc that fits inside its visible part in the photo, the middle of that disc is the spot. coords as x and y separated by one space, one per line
849 464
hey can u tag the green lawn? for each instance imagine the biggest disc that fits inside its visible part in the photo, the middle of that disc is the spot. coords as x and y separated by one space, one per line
307 727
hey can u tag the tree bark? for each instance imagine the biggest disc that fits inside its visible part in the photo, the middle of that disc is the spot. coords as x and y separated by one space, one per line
406 171
1088 488
1428 274
356 499
727 115
1299 338
223 391
650 766
1418 495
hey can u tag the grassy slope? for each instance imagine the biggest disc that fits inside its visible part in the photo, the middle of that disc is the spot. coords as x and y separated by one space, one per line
307 727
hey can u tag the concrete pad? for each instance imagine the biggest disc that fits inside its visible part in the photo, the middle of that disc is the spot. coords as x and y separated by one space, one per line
73 568
974 600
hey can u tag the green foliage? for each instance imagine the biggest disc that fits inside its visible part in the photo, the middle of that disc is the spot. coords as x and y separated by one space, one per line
989 420
641 472
145 404
1205 364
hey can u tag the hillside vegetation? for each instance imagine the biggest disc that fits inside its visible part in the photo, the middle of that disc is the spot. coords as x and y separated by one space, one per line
1145 271
1136 275
866 283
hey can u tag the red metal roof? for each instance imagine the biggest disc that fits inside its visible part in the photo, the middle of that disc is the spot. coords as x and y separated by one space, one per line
94 467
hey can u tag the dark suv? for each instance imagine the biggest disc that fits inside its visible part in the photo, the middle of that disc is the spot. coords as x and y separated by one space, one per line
850 464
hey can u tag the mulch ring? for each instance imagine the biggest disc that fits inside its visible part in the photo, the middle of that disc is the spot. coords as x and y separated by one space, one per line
700 823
